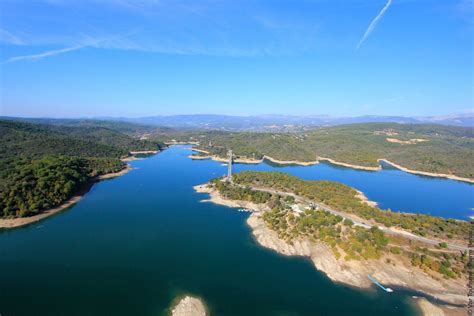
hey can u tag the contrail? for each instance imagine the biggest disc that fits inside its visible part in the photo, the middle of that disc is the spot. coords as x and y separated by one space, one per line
90 43
373 24
8 37
45 54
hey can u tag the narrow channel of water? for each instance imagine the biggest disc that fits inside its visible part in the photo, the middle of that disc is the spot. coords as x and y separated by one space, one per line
391 188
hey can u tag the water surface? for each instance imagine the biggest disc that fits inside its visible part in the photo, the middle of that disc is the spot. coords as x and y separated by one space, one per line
134 243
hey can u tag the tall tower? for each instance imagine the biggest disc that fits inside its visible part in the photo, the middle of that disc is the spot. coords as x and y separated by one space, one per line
229 165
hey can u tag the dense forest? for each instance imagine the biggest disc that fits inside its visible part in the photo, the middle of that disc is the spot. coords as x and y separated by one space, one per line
346 240
43 165
429 148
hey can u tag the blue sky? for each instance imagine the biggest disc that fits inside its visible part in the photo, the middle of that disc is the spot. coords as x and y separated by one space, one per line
68 58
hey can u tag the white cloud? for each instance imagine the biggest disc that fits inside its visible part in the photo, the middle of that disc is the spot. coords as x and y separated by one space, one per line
373 24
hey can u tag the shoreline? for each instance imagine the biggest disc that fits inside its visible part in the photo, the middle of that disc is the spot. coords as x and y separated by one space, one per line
24 221
361 196
425 173
9 223
174 142
352 273
348 165
331 161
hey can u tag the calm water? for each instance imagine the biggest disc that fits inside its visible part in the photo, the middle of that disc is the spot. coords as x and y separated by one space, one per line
392 188
136 242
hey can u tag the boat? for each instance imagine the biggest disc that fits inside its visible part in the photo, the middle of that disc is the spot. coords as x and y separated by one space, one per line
244 210
386 289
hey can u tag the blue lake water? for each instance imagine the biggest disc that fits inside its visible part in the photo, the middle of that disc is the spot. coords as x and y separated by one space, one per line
134 243
391 188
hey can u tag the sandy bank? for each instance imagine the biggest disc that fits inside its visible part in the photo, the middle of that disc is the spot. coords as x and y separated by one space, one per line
200 151
199 157
361 196
348 165
189 306
207 155
289 162
429 174
144 152
115 174
353 272
429 309
174 142
22 221
133 157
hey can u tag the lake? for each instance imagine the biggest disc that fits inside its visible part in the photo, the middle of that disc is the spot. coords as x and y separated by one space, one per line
136 242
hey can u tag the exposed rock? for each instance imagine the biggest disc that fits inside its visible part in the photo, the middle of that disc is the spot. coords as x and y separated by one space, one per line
189 306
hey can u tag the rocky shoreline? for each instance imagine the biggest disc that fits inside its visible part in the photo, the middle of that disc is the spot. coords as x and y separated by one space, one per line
353 273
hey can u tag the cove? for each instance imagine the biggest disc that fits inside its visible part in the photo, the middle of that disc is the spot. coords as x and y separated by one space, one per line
134 243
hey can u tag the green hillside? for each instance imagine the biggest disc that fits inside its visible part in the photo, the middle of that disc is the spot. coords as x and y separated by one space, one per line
44 165
429 148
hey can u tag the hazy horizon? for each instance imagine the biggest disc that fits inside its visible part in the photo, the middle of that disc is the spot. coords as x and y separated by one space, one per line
98 117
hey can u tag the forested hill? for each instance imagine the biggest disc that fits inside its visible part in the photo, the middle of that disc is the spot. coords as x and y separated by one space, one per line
429 148
43 165
130 129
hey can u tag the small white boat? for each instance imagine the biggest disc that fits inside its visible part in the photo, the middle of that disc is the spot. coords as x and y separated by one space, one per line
244 210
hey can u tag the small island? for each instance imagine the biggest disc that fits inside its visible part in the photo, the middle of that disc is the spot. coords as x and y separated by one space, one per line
346 236
189 306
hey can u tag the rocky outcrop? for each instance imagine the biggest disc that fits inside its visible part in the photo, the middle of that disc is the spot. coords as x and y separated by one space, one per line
189 306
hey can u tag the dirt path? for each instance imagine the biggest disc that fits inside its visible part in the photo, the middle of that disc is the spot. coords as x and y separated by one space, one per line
359 222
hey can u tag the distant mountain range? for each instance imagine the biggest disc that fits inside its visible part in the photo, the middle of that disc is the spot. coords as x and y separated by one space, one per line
279 123
285 122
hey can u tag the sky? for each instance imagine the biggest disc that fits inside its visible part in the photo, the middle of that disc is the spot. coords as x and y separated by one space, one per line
73 58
